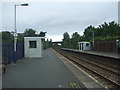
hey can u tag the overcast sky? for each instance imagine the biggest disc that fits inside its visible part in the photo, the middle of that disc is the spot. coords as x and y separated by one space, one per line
58 17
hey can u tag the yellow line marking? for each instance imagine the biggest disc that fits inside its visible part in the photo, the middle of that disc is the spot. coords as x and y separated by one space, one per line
71 85
74 85
77 85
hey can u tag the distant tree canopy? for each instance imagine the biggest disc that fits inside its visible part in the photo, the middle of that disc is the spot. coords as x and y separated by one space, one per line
30 32
88 32
20 37
74 40
42 34
66 40
105 31
7 36
48 43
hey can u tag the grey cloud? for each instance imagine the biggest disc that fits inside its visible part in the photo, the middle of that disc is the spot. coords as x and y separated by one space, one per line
57 18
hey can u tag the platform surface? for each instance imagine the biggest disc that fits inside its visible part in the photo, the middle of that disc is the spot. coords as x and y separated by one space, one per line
46 72
50 71
113 55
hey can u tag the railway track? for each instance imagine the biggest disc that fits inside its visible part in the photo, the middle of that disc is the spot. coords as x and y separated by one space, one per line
106 74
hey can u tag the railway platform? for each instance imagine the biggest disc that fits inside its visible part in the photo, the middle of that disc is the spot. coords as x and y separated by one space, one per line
112 55
50 71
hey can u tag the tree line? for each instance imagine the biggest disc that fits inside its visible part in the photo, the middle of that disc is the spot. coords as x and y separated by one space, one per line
105 31
9 36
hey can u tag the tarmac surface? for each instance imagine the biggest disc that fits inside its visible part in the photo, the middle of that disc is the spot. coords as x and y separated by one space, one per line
46 72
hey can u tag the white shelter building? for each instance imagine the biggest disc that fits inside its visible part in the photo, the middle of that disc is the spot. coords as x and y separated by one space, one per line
84 46
33 47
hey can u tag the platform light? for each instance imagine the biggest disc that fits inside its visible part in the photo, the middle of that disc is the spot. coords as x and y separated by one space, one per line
15 33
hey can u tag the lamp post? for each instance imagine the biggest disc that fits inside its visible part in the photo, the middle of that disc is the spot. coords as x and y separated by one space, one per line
15 33
93 37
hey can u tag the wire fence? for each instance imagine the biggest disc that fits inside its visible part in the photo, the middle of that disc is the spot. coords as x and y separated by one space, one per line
8 52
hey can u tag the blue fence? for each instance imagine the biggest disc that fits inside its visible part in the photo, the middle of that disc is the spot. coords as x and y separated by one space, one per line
8 52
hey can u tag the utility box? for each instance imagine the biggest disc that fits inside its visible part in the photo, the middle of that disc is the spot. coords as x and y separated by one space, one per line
84 46
33 47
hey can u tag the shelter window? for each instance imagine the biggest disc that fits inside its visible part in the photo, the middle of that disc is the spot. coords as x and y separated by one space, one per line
32 44
87 44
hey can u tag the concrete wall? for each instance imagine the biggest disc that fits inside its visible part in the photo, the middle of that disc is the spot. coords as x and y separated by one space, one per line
33 52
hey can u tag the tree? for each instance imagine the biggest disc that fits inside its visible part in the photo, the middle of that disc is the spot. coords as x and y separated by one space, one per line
109 31
42 34
66 40
46 44
50 43
105 31
88 32
20 37
30 32
74 40
7 36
